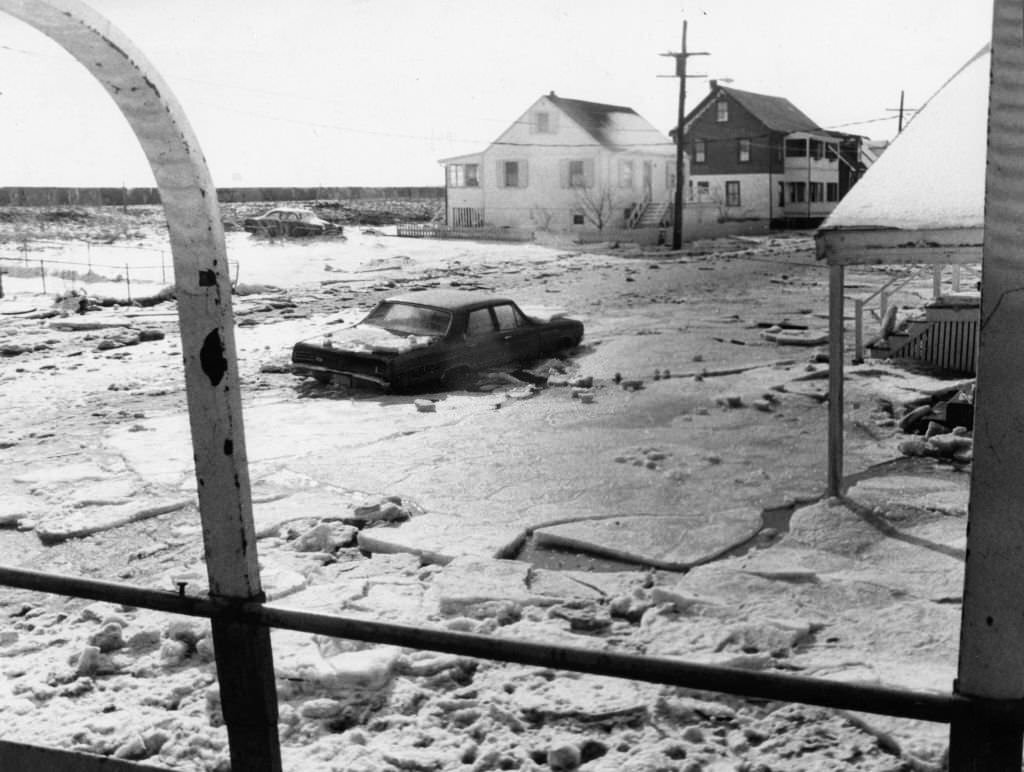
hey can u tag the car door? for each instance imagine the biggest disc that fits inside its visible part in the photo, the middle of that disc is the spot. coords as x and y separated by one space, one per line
484 346
289 224
520 339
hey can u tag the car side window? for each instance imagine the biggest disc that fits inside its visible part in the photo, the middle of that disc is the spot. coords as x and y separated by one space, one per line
479 322
508 317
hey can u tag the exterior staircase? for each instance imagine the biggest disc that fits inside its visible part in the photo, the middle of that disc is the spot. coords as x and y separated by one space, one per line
657 214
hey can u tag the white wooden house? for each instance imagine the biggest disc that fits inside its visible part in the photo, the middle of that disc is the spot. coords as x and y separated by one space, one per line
565 164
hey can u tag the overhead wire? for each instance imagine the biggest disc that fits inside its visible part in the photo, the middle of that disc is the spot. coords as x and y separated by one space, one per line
428 138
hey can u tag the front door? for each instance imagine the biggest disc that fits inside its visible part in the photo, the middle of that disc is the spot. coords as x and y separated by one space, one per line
648 176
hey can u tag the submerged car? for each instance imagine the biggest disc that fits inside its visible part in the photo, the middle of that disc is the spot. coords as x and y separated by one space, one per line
434 337
289 221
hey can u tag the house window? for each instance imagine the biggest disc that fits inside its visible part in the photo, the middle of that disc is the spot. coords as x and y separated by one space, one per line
625 174
817 190
700 151
543 123
782 194
577 218
703 190
744 151
832 191
577 179
463 176
732 193
817 148
796 148
831 151
797 192
512 174
723 111
576 173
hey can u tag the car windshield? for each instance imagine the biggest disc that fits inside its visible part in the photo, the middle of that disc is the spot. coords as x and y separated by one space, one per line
409 319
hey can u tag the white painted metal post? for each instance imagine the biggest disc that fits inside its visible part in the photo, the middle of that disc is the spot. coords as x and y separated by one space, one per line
202 284
992 632
858 334
835 380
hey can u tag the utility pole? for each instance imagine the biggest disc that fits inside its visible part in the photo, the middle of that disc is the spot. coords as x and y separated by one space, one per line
901 110
680 57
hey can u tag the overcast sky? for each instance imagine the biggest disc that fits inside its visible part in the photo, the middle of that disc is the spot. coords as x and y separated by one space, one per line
374 92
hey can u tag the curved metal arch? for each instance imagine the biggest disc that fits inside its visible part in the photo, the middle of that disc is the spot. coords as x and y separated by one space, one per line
244 659
200 267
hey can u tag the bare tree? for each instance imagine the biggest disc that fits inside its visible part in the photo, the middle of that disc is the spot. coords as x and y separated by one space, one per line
542 216
597 203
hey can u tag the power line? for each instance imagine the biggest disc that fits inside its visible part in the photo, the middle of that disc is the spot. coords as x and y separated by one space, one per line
423 137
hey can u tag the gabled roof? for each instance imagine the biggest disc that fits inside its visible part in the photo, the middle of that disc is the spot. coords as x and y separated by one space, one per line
932 176
776 113
613 126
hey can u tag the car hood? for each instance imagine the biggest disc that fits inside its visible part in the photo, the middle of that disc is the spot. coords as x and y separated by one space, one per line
368 339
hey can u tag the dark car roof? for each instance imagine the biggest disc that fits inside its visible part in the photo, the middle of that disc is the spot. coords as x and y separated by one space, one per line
450 299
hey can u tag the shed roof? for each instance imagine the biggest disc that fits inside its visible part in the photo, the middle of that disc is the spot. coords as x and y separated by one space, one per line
932 176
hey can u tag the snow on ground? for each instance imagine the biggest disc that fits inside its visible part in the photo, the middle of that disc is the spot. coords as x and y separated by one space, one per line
726 441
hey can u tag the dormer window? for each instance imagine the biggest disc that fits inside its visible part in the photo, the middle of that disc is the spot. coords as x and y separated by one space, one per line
723 111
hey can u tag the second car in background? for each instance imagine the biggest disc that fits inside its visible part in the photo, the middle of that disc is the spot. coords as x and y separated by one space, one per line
290 221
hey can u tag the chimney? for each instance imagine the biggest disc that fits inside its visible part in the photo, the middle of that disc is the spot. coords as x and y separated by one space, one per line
713 83
551 93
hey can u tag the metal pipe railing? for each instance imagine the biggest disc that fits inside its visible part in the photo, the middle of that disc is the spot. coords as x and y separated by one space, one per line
925 706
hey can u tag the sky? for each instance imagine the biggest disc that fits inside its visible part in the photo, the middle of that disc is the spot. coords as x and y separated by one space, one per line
375 92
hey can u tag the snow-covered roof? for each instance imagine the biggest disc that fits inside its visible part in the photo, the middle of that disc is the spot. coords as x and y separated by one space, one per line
932 176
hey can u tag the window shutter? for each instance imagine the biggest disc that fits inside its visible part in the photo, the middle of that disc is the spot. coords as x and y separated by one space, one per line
553 121
588 172
500 175
563 172
524 179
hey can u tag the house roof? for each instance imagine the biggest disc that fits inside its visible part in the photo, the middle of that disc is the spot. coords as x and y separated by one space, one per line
615 127
776 113
461 159
932 176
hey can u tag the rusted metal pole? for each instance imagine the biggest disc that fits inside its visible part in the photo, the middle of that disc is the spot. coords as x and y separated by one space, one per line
992 630
202 284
